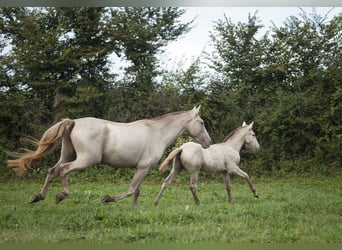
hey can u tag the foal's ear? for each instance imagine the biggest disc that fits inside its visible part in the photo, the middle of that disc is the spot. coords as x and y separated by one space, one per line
244 124
197 109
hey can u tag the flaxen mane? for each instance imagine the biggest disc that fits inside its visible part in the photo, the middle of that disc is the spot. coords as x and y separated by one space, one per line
167 115
231 134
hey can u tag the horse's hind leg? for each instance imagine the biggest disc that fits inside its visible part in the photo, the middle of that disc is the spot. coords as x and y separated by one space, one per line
193 187
52 173
228 186
65 189
81 162
175 170
67 154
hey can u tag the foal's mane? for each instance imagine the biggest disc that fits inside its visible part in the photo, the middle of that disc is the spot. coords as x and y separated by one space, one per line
231 134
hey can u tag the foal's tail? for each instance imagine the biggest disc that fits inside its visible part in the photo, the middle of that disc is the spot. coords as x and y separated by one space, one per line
46 145
169 158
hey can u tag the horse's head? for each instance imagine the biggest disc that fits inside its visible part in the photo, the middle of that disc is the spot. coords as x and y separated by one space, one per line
250 138
196 129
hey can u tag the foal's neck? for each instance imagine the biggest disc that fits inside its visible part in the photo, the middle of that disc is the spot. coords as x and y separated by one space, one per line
236 141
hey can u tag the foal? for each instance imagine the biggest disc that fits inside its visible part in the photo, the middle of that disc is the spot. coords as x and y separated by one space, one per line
218 158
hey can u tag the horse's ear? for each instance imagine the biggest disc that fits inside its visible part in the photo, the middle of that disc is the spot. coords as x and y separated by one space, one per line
244 124
251 125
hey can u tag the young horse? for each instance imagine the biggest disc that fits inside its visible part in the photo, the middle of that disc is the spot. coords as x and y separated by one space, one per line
89 141
220 158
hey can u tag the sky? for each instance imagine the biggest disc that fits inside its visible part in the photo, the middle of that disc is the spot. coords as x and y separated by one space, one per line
186 49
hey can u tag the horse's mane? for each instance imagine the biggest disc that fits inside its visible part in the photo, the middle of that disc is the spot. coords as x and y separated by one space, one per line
167 115
231 134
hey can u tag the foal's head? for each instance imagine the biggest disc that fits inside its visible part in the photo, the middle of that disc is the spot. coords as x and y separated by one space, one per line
196 129
250 138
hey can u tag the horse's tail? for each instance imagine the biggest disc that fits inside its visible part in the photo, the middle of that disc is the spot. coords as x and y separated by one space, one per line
169 158
46 145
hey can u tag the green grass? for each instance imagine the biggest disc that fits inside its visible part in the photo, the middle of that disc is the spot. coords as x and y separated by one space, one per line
289 210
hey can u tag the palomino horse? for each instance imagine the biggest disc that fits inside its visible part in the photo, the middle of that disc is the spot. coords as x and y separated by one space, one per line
89 141
219 158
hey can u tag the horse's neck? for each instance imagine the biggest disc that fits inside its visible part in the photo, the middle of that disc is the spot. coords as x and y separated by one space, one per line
172 128
236 141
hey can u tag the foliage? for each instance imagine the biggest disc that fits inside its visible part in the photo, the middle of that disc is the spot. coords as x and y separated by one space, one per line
285 82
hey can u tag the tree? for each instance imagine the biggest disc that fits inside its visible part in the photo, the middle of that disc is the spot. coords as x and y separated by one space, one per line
59 58
144 32
88 43
236 92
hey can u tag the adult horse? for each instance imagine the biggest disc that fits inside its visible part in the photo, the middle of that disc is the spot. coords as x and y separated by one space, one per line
89 141
219 158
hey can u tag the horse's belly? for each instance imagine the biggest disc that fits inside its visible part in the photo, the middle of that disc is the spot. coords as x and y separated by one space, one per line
119 160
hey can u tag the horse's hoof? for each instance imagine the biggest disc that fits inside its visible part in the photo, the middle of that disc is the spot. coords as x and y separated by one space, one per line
106 198
36 198
60 197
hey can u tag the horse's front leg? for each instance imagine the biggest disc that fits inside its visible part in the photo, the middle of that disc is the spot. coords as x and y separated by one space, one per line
134 188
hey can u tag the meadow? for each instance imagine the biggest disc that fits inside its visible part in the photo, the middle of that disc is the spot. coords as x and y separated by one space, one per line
290 210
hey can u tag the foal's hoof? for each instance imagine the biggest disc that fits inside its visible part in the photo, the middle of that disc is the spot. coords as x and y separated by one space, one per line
106 198
36 198
256 196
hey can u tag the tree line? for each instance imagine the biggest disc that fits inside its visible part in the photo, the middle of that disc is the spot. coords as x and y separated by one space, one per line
56 63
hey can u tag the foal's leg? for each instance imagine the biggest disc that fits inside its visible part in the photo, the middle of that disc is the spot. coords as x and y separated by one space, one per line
244 175
175 170
228 187
193 187
134 188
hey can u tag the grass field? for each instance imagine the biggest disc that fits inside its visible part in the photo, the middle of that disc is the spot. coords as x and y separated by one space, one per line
289 210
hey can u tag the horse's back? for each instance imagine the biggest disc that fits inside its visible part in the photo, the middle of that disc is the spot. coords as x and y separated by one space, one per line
99 128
